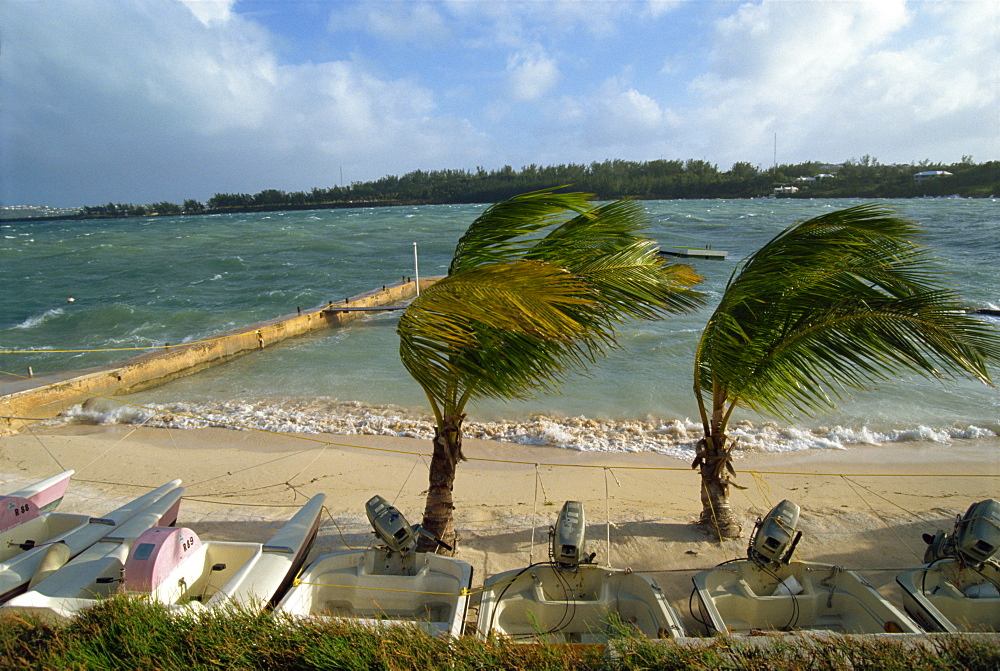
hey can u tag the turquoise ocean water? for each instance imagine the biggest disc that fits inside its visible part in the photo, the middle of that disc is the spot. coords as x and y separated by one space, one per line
142 282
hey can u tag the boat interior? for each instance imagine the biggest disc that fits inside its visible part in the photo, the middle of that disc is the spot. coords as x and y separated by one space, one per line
949 592
585 604
373 585
742 597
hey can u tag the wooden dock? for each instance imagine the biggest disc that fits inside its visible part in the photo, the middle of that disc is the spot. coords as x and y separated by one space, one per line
694 253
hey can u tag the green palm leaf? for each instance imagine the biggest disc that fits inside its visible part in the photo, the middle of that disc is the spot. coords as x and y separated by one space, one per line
535 291
835 304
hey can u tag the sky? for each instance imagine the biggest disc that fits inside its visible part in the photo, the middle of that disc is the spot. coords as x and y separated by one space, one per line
140 101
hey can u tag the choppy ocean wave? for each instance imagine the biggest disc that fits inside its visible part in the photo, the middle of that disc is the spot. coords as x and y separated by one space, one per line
672 437
35 320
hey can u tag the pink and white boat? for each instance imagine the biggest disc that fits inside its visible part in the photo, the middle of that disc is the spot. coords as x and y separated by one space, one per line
33 500
38 541
174 567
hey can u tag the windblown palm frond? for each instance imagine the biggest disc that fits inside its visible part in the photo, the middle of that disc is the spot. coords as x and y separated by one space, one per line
521 307
501 232
500 328
834 304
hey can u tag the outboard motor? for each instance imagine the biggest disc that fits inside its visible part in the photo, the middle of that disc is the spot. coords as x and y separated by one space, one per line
393 529
975 539
774 538
568 537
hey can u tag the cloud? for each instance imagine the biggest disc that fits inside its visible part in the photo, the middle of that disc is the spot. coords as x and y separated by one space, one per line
208 11
145 101
836 78
413 23
530 75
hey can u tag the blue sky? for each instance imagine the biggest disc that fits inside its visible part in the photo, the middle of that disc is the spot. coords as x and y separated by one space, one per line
147 100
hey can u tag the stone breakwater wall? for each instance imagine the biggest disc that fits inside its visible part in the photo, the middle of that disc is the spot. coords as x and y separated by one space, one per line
48 394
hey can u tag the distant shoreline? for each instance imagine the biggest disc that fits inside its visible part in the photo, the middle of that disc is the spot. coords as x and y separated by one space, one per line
609 180
403 203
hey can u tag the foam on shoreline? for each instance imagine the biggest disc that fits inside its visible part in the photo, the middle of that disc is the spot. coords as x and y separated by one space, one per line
674 437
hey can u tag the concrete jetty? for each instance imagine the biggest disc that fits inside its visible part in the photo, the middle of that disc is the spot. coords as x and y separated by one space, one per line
45 395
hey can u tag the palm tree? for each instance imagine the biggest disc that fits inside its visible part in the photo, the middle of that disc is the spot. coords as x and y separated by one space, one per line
830 305
535 291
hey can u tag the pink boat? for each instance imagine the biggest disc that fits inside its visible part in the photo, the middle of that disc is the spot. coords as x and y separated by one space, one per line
33 500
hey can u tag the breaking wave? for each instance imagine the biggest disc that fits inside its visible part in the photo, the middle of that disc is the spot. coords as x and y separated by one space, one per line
672 437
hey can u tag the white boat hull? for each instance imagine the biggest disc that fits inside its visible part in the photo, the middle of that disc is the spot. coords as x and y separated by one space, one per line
252 576
544 603
221 574
739 598
93 574
426 589
947 596
19 565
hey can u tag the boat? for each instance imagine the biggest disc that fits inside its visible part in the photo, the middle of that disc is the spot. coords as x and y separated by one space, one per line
176 568
958 588
44 543
392 584
26 517
43 496
172 566
63 587
570 599
770 592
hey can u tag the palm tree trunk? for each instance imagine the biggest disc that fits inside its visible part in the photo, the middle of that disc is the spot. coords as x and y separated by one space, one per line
439 510
714 460
716 513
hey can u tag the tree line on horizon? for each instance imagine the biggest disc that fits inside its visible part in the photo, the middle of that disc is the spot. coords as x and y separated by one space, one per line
644 180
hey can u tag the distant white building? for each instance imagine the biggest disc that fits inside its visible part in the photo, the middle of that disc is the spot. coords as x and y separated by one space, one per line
927 175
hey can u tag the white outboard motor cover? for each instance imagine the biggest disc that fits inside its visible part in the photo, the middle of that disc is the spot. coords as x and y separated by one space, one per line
155 554
978 535
390 525
775 534
569 535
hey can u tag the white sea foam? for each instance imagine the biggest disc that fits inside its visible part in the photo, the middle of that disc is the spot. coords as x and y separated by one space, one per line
671 437
32 322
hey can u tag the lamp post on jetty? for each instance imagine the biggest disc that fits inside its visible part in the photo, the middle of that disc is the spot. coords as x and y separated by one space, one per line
416 268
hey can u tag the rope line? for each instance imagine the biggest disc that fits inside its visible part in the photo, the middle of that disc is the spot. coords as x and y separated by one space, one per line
879 516
534 520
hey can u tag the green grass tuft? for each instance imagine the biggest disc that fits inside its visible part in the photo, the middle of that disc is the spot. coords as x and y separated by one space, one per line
129 633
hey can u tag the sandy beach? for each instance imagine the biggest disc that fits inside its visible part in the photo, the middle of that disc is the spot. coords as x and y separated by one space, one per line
862 508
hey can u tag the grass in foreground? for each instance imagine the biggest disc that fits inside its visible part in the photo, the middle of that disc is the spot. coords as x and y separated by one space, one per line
131 634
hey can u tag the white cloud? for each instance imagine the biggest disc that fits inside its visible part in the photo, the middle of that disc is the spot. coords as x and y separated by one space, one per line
394 20
530 75
208 11
841 79
143 101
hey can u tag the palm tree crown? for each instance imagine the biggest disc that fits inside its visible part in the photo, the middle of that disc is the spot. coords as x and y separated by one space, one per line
830 305
536 290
